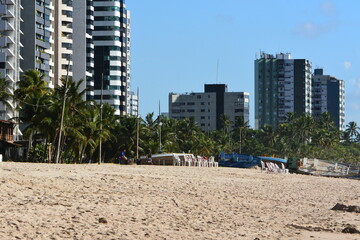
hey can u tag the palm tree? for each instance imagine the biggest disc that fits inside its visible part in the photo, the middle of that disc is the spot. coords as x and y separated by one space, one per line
168 135
224 124
269 135
187 131
205 145
303 127
346 137
5 95
32 83
128 132
353 130
70 90
33 97
240 131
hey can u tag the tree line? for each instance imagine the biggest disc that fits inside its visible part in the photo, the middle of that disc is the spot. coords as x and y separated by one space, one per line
86 125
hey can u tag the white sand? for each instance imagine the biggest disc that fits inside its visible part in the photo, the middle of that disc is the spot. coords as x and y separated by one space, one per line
41 201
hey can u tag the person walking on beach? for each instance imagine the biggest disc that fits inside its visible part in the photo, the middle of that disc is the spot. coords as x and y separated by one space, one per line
122 157
149 159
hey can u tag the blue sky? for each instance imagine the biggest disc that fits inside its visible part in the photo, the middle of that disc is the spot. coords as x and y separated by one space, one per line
176 45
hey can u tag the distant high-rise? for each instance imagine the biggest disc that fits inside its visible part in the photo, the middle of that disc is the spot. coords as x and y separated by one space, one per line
206 108
282 86
329 96
10 44
111 38
133 104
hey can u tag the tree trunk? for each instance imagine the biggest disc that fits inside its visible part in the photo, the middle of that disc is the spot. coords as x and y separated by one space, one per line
29 145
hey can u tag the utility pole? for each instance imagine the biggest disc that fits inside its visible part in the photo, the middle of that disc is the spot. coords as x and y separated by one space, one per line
62 114
137 126
240 141
160 123
101 112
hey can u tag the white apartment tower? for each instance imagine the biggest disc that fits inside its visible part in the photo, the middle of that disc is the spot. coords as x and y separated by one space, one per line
111 38
62 36
10 19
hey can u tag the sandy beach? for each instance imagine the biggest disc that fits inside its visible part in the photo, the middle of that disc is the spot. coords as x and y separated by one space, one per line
43 201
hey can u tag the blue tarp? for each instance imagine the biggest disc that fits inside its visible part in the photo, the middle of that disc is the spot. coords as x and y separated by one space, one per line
271 159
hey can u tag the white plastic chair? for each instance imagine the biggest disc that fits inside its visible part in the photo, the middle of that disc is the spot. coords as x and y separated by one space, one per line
177 160
194 160
199 161
272 168
188 160
264 168
205 162
285 170
212 162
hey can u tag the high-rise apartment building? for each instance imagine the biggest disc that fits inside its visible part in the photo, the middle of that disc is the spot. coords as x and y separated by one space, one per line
282 86
62 36
37 28
92 37
328 95
10 44
111 37
83 46
47 38
206 108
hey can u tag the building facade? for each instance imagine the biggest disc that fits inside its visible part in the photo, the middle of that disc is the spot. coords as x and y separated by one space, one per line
10 43
111 37
282 86
97 51
37 29
63 38
328 96
48 44
206 108
133 104
83 46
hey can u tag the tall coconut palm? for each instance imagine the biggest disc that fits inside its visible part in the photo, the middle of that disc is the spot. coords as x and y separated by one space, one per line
240 131
303 127
168 135
269 136
187 131
5 92
128 133
67 108
33 97
353 131
224 124
32 84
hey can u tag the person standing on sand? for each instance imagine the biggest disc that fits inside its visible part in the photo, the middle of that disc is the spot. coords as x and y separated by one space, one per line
149 159
122 157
